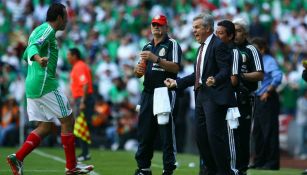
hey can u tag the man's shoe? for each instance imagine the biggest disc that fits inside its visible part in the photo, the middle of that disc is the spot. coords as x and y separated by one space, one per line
143 172
254 166
304 172
268 168
15 164
80 169
167 172
82 158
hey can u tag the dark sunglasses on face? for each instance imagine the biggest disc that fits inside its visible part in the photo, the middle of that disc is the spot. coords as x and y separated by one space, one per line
156 25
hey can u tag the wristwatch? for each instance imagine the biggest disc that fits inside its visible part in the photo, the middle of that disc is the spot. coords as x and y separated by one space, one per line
158 60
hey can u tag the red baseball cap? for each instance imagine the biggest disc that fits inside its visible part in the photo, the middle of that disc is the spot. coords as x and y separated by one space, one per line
160 19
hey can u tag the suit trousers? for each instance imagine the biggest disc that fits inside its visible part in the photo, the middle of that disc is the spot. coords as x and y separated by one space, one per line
212 135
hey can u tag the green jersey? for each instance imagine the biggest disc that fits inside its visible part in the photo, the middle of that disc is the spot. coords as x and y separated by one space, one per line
41 80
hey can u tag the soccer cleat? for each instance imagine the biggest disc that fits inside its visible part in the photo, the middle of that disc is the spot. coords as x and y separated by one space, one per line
80 169
167 172
15 164
143 172
83 158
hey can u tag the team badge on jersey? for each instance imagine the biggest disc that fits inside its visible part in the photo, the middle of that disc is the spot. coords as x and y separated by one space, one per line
40 41
162 52
243 58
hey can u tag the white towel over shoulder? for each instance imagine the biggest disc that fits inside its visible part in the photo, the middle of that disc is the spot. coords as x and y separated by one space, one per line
232 117
161 103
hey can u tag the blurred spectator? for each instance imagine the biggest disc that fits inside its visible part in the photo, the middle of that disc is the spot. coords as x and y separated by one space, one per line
17 89
10 58
105 72
127 50
127 125
9 122
41 11
118 92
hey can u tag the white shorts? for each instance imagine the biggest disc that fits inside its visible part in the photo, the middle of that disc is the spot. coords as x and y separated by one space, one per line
49 107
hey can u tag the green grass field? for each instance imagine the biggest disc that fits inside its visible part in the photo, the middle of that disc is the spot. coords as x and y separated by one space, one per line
50 161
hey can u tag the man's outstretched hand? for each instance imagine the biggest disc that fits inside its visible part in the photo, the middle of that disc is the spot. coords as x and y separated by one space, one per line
170 83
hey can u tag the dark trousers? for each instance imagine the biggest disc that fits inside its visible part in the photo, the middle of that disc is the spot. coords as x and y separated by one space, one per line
243 133
212 136
265 132
147 130
88 113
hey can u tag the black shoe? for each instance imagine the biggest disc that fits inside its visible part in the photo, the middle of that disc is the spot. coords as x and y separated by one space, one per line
242 173
203 171
167 172
254 166
304 172
143 172
268 168
82 158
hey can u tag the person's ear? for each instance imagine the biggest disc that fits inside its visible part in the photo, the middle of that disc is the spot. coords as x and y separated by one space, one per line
231 37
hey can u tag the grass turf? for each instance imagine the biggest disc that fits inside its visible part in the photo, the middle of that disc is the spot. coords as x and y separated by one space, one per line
50 161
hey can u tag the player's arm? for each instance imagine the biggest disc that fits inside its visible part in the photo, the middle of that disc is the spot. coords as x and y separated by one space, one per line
43 61
83 76
174 58
235 68
82 100
167 65
37 42
257 74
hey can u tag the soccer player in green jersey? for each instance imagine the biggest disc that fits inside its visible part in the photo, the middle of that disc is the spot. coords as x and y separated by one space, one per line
45 101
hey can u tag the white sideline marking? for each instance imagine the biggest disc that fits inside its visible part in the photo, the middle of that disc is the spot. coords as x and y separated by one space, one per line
58 159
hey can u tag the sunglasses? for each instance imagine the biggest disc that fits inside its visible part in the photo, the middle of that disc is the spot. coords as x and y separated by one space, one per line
156 24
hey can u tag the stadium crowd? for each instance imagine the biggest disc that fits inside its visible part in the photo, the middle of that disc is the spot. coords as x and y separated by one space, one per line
110 35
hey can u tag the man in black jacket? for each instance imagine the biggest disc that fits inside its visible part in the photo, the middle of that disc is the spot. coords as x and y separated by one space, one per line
304 74
214 95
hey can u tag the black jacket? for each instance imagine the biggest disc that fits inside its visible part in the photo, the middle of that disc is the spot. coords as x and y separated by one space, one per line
304 75
216 64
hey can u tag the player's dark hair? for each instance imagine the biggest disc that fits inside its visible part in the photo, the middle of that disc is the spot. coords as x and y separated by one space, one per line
76 52
55 10
230 27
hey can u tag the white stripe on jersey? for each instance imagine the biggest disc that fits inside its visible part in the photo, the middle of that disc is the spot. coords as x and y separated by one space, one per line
235 62
42 39
46 71
256 57
175 50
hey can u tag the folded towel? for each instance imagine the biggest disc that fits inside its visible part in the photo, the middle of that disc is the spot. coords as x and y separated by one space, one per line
161 103
232 117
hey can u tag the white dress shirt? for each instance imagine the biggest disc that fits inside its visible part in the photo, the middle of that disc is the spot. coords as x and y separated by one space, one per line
203 56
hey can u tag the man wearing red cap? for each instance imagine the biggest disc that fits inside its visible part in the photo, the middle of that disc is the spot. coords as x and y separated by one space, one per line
162 59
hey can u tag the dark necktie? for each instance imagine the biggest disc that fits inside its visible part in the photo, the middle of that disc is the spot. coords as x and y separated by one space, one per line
198 64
